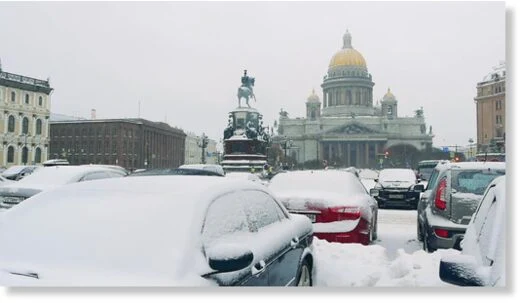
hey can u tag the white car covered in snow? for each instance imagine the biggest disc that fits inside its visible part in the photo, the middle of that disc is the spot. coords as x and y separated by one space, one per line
483 258
155 231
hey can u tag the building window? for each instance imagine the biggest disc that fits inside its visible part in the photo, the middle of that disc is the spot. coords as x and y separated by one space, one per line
38 127
498 105
10 124
10 154
26 98
13 97
499 119
40 101
25 125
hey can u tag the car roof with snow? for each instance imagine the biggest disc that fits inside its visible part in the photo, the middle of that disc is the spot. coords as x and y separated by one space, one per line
79 218
472 165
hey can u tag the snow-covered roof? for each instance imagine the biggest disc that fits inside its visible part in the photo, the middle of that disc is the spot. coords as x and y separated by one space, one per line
114 228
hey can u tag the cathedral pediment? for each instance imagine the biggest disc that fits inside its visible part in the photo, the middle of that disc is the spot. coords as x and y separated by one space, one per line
352 129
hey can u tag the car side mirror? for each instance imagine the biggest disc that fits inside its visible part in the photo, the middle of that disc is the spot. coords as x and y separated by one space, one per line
228 257
460 270
376 180
374 192
418 187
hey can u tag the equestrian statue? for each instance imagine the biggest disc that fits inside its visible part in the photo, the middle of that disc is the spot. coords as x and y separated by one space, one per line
246 89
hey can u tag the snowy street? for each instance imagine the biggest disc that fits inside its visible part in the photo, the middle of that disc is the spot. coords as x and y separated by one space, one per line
395 260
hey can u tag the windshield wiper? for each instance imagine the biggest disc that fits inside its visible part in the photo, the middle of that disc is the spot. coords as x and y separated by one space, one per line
29 274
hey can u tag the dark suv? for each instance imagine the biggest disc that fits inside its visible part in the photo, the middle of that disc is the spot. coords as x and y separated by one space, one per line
452 196
397 187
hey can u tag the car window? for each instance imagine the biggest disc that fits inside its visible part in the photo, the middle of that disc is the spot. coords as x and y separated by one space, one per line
485 223
483 208
225 216
474 181
262 210
433 178
116 174
95 176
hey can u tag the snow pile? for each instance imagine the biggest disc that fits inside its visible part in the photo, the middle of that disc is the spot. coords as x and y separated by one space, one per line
355 265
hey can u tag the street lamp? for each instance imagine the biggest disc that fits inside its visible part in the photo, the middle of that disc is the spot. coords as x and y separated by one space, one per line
203 143
286 145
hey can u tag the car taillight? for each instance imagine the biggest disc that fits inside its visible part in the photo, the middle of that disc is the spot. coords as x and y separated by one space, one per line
441 233
346 212
440 196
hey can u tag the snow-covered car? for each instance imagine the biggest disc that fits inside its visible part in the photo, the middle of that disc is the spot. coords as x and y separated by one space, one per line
155 231
451 198
244 176
18 172
46 178
397 187
209 167
482 261
336 202
4 181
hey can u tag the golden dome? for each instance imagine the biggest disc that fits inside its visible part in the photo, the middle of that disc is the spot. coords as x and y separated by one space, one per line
389 95
347 56
313 97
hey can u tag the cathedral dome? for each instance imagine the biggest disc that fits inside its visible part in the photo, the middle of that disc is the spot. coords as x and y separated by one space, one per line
347 56
389 96
313 98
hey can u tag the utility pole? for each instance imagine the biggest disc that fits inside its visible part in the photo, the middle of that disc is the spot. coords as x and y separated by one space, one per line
203 143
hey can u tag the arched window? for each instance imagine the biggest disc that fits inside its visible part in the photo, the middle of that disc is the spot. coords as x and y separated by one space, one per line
10 124
25 153
25 125
40 101
13 96
38 127
26 98
38 155
10 154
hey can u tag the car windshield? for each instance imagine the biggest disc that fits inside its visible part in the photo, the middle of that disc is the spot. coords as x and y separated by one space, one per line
397 175
474 181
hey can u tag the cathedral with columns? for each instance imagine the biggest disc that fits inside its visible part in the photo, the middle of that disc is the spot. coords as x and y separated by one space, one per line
345 128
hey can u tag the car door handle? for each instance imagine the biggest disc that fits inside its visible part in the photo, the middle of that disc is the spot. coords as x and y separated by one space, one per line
294 242
258 268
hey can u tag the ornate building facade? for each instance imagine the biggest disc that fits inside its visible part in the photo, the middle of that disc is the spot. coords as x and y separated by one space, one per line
346 129
24 119
491 111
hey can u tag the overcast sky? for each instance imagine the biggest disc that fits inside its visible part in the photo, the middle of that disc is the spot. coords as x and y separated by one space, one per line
183 60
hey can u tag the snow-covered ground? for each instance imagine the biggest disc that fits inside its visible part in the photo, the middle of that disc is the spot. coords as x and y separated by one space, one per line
394 260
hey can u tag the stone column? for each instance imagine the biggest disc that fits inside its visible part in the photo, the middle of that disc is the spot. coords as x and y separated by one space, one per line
366 155
324 99
348 154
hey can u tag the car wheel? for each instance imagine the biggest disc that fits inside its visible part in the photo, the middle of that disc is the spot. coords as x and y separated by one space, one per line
426 246
304 274
374 229
420 235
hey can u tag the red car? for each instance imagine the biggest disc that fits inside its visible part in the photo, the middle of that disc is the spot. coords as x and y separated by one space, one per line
336 202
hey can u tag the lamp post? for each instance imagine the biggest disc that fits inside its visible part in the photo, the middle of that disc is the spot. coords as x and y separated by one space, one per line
203 143
286 145
25 151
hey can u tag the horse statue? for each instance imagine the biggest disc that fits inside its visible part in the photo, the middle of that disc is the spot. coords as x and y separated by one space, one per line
246 89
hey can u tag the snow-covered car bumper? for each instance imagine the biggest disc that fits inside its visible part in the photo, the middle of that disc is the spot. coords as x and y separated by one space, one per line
345 231
397 197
